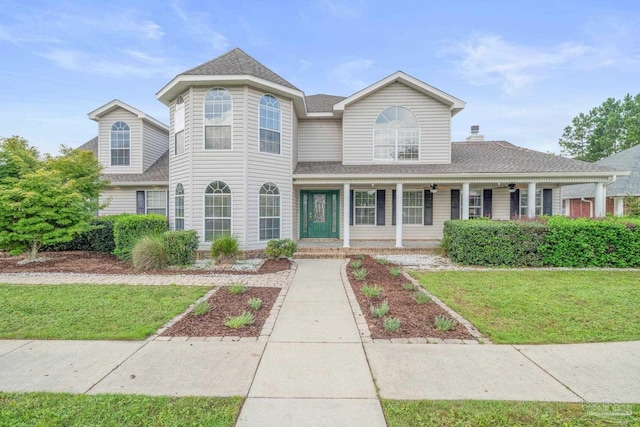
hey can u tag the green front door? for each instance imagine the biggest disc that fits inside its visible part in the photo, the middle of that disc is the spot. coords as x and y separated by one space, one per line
319 214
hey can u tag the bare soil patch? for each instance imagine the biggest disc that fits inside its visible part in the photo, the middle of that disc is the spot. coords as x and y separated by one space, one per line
224 304
416 320
100 263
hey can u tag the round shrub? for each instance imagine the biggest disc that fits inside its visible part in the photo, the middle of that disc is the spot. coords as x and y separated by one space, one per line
150 253
283 248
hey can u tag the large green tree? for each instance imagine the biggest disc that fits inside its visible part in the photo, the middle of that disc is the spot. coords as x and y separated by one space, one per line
605 130
45 201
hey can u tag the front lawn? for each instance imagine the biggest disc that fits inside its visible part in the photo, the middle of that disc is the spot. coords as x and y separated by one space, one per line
543 307
90 312
401 413
61 409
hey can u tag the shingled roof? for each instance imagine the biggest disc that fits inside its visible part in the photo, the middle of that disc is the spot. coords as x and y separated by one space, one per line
235 62
322 103
498 157
90 145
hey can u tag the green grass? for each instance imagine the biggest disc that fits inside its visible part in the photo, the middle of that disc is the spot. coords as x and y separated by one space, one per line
542 307
401 413
83 312
61 409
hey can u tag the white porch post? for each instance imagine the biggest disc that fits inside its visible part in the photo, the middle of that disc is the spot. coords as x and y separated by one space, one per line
599 209
531 200
346 214
618 206
465 201
398 215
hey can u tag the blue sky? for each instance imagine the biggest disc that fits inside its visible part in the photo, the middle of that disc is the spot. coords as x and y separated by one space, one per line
525 69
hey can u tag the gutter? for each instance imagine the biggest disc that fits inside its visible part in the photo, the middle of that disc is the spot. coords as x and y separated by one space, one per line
590 206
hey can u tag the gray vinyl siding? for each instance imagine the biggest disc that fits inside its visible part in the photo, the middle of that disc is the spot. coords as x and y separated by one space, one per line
179 167
320 140
155 143
123 199
434 119
104 141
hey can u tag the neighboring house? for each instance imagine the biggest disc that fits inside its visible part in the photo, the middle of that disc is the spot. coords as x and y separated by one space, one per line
251 154
579 200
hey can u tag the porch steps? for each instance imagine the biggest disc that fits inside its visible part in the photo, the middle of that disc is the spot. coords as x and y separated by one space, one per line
339 252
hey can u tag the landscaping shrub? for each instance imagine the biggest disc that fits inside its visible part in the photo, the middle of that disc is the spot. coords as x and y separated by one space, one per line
150 253
283 248
181 246
128 229
98 239
225 248
494 243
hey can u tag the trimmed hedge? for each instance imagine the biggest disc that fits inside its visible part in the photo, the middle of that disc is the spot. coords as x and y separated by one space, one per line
283 248
98 239
129 228
494 243
181 246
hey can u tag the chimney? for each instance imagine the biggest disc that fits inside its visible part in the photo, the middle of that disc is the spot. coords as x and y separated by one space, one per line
475 134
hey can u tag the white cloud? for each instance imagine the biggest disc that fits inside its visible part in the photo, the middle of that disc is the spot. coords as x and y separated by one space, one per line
196 25
349 73
341 9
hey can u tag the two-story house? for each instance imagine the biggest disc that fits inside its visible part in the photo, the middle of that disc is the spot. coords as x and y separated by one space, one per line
252 155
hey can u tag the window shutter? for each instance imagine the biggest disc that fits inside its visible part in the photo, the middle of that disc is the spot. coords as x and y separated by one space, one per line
380 201
393 207
514 209
351 208
140 205
547 201
167 208
428 207
455 204
487 200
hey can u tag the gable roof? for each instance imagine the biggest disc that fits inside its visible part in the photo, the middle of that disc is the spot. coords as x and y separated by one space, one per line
322 103
629 160
116 103
90 145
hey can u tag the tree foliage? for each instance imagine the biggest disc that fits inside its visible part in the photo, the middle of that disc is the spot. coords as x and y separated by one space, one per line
605 130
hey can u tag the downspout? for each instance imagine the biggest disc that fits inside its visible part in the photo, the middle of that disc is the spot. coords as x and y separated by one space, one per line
590 206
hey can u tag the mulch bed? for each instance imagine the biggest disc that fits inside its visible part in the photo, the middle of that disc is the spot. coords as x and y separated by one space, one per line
416 320
224 304
100 263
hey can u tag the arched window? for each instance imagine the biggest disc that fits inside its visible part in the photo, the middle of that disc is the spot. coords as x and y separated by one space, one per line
217 211
269 215
396 135
218 116
270 124
120 144
178 208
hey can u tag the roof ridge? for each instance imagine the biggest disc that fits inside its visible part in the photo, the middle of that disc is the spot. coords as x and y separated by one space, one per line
222 55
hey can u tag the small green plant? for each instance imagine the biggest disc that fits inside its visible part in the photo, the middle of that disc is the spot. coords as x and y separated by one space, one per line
150 253
380 310
359 257
283 248
371 291
237 288
421 297
225 249
444 323
383 261
356 264
391 324
201 308
395 271
360 274
408 286
255 303
237 322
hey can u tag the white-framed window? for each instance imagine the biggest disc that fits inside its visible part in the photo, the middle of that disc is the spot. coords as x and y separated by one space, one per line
179 143
269 212
156 202
178 119
120 144
475 203
412 207
396 135
524 202
178 208
217 210
270 124
364 207
218 116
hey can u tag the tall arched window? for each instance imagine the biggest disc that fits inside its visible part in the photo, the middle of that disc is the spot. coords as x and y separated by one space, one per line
269 215
120 144
218 116
270 124
178 208
396 135
217 211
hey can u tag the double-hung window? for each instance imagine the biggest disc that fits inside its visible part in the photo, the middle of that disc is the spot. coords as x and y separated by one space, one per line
524 202
396 135
156 202
120 144
475 203
269 214
412 207
364 205
270 124
179 207
217 211
218 116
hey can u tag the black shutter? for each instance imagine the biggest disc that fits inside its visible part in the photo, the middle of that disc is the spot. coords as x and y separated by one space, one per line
393 207
428 207
140 205
167 215
455 204
514 209
487 199
547 201
351 208
380 202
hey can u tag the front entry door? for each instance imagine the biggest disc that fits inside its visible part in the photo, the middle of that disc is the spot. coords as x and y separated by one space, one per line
319 214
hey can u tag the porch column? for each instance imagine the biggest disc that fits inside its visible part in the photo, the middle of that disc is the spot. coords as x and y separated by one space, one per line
599 209
531 200
465 201
346 214
618 206
398 215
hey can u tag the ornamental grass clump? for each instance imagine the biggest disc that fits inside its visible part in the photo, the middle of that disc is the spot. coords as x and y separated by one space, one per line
444 323
201 308
395 271
255 303
237 322
359 257
421 298
380 310
371 291
408 286
360 274
150 253
225 249
356 264
237 288
391 324
382 261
